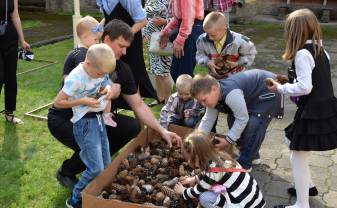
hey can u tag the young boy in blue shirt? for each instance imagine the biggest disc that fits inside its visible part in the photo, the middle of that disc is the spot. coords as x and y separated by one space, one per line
79 92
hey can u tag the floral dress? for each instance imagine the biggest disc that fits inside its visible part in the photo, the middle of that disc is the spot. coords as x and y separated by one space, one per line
160 65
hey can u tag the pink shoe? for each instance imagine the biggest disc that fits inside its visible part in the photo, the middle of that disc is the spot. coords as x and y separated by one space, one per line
107 117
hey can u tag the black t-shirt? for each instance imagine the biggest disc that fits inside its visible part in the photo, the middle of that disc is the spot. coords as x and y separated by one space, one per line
74 57
123 76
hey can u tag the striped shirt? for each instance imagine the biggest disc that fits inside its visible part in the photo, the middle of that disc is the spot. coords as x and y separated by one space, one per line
242 189
184 11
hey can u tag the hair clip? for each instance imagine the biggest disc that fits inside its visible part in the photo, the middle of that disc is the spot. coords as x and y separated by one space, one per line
98 28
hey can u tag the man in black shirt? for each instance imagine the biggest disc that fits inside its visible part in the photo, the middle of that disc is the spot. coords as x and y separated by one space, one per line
118 36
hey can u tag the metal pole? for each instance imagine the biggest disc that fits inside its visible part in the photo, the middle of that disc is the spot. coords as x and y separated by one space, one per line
325 2
76 17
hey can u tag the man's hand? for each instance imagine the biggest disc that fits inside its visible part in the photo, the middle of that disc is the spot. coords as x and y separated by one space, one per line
271 84
25 45
163 40
179 188
171 138
222 144
158 21
91 102
212 66
112 92
178 50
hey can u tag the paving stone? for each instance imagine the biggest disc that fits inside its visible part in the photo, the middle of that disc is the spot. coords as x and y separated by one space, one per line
282 174
334 158
277 189
318 173
330 199
316 202
320 161
321 185
261 177
269 162
333 170
332 183
283 162
271 201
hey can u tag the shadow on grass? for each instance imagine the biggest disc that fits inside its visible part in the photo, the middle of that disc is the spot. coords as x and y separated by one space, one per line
11 169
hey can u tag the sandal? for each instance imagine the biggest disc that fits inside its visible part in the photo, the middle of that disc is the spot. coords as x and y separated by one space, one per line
12 119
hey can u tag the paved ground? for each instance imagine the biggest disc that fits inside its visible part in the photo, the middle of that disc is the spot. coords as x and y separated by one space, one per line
274 174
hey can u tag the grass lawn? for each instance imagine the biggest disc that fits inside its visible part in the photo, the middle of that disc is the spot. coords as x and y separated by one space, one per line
29 155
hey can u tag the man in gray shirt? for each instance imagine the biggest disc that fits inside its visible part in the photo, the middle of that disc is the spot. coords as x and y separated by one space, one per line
249 104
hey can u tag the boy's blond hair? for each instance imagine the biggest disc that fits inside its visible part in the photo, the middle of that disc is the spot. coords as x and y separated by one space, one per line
85 25
300 26
202 83
184 82
101 56
214 19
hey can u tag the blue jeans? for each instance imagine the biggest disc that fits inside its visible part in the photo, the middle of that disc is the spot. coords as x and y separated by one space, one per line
191 122
251 138
207 199
186 64
90 135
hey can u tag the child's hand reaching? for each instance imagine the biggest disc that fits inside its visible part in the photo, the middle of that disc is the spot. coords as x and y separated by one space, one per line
179 188
187 113
271 84
186 180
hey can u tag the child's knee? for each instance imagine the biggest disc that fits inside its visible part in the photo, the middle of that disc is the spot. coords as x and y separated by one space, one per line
208 198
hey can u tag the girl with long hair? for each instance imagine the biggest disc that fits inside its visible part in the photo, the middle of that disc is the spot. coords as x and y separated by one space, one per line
315 123
222 182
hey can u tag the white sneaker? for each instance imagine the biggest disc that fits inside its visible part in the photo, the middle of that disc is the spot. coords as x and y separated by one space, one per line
257 161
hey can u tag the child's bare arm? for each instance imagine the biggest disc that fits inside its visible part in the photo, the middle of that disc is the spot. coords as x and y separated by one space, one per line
62 101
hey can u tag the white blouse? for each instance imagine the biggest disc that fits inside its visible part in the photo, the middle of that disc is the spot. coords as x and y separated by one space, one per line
304 64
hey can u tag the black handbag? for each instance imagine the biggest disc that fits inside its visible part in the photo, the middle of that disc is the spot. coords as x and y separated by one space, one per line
3 24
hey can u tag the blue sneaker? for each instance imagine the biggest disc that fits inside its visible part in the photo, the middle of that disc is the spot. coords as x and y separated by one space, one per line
71 204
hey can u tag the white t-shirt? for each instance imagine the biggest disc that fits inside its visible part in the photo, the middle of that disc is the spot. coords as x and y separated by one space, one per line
78 84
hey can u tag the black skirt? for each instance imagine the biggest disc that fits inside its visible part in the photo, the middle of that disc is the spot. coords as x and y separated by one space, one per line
314 127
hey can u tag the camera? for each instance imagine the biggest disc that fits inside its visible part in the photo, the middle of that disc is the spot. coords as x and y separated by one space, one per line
3 28
26 55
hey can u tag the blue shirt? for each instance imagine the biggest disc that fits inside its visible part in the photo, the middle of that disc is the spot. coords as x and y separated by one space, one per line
133 7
